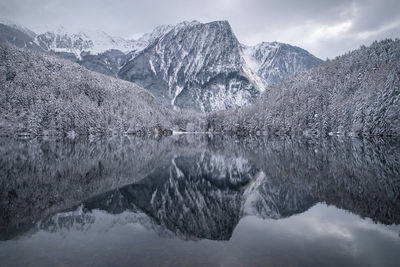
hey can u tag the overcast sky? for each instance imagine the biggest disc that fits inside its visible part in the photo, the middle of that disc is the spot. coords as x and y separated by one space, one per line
326 28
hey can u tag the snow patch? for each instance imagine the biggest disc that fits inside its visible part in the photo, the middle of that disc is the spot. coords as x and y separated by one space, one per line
152 67
178 90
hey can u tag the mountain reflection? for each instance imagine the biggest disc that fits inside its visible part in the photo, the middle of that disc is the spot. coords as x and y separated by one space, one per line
192 187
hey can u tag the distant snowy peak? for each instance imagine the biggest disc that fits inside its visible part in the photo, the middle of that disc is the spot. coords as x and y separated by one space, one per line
96 41
275 61
93 42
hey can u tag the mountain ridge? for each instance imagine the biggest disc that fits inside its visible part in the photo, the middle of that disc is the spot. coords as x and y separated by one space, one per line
210 75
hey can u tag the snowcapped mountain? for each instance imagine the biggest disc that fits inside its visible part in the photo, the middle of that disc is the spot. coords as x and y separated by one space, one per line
275 61
93 42
96 50
195 65
204 67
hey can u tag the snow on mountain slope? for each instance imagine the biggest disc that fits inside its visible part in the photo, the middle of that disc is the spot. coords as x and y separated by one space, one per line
195 65
93 42
278 61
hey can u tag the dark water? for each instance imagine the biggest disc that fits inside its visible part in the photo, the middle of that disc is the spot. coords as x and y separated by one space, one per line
200 201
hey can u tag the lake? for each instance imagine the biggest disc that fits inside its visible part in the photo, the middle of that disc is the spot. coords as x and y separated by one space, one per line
200 200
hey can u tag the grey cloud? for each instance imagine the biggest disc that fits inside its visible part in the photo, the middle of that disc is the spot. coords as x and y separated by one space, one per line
372 14
253 21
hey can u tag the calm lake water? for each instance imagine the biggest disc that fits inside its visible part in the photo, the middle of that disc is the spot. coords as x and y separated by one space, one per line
197 200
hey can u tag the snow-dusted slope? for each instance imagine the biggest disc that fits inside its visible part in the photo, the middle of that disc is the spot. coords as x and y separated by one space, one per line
278 61
93 42
195 65
17 35
148 38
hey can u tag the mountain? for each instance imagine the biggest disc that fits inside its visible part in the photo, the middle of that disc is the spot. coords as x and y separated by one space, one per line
204 67
188 65
275 61
197 66
354 94
92 42
95 50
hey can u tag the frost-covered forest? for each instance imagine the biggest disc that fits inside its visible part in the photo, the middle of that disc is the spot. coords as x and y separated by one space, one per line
45 95
355 94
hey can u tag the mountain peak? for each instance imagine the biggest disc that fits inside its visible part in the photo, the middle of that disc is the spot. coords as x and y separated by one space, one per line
224 23
188 23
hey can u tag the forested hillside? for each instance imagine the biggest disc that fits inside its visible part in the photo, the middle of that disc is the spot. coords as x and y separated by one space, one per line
42 94
355 94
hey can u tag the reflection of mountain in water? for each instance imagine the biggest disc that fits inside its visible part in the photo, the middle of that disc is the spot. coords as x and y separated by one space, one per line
201 188
199 196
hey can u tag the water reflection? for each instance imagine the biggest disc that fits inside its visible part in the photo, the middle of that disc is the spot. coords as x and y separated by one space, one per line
204 188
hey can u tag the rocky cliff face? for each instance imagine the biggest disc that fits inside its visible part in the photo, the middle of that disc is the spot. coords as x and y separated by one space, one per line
196 66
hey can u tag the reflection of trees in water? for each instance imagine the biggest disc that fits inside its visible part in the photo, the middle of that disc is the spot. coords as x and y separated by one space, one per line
357 175
200 187
41 177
